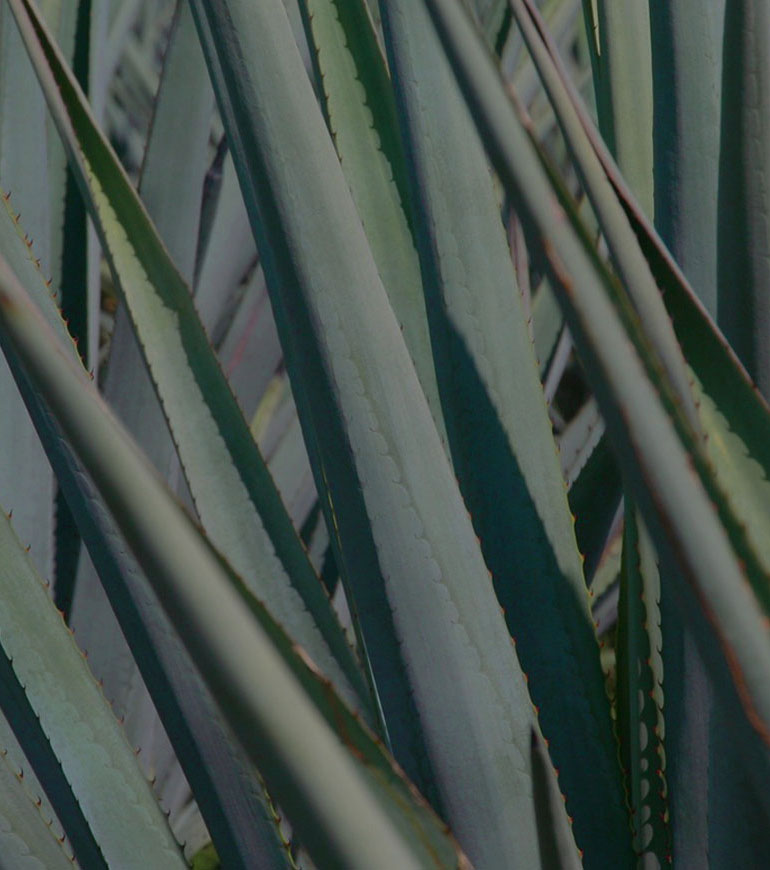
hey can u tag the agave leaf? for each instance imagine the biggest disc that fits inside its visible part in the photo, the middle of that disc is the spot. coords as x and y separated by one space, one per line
199 736
640 690
557 845
22 719
743 239
547 323
201 741
579 440
23 159
122 18
212 190
405 543
179 128
625 88
729 410
732 413
236 814
45 676
688 709
266 700
23 146
737 829
601 94
561 17
28 840
558 365
593 481
631 264
173 199
361 114
16 761
243 830
747 492
235 496
665 468
66 18
229 254
605 588
594 498
284 448
686 61
494 18
70 21
499 432
250 350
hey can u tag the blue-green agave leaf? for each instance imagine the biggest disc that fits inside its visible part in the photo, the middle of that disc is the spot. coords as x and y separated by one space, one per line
361 114
744 161
639 691
61 719
217 452
666 468
437 642
686 75
499 431
281 710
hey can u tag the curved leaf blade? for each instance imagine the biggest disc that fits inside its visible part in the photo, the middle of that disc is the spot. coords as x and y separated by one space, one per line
361 114
405 542
499 431
235 496
649 434
76 724
265 702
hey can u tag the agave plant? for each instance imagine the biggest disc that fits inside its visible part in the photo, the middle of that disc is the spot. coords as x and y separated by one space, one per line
415 488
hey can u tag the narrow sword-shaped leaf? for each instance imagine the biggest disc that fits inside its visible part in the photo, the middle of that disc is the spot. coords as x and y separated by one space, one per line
626 76
235 496
361 114
632 266
188 712
744 199
229 254
231 797
70 21
686 77
746 491
260 679
547 322
557 845
729 410
579 440
594 498
173 199
63 17
689 705
666 473
84 736
201 739
23 160
499 432
431 624
639 691
28 840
